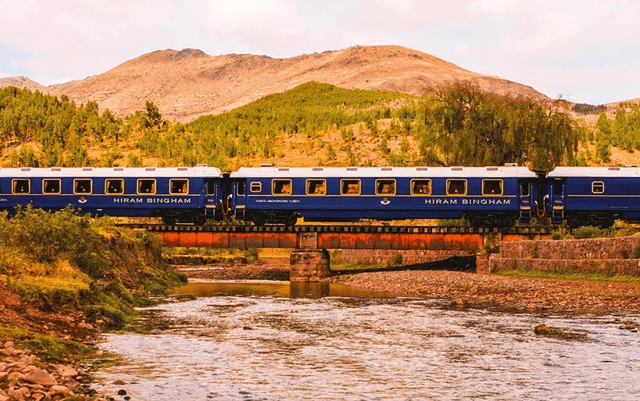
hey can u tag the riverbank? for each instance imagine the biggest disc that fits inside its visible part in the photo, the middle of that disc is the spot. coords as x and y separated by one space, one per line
489 290
57 295
463 289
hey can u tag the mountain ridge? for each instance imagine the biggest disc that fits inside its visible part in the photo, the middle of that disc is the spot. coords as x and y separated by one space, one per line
188 83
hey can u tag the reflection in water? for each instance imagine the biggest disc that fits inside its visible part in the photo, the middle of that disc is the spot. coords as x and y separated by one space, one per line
253 342
276 288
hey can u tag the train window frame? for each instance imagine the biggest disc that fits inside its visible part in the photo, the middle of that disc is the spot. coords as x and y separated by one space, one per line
421 182
145 180
76 185
107 186
255 187
345 183
451 181
46 181
524 185
593 187
318 184
175 181
492 180
381 183
277 190
14 186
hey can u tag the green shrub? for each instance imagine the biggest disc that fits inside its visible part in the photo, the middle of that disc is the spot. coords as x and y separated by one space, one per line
397 259
636 251
587 232
251 254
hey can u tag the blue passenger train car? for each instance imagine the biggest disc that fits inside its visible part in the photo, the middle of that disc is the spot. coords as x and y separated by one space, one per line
593 195
178 195
487 196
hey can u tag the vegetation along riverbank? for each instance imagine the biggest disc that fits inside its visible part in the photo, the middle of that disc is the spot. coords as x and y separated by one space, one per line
63 279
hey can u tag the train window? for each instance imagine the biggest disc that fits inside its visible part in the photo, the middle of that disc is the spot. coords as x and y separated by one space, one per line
240 188
114 186
82 186
350 187
385 187
492 187
525 189
178 186
456 187
255 186
21 186
50 186
597 187
146 186
281 187
420 187
316 187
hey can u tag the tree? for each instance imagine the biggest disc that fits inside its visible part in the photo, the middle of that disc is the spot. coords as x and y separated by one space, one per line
467 126
153 116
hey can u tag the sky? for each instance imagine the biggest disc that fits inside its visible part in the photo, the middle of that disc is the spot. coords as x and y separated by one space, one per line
585 51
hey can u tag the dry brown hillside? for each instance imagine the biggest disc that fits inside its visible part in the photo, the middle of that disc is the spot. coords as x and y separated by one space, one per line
189 83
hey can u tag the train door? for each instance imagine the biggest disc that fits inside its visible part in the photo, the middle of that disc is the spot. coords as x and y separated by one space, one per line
527 195
557 200
212 196
238 192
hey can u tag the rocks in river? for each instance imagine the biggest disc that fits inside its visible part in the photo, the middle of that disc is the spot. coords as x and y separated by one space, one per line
23 378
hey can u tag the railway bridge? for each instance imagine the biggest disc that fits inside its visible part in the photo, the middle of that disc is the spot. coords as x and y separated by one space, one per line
309 243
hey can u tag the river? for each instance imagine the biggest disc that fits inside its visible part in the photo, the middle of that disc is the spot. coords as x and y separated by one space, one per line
273 341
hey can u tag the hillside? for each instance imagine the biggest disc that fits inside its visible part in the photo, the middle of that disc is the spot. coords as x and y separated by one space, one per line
189 83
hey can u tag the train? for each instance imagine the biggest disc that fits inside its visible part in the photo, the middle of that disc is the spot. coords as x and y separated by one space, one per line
491 196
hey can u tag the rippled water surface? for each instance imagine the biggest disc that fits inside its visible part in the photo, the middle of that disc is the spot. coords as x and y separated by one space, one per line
272 343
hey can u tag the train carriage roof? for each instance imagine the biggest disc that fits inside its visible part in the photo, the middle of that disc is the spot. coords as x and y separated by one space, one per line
378 172
112 172
562 172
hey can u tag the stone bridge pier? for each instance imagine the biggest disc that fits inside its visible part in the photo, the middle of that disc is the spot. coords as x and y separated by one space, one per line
309 265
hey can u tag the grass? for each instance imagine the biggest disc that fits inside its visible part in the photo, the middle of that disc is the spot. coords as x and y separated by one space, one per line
582 276
344 267
49 349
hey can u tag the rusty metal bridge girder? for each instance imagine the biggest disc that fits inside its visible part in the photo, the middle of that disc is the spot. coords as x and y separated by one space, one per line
333 237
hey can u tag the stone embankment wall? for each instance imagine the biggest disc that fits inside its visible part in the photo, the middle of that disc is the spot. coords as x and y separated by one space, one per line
382 256
601 255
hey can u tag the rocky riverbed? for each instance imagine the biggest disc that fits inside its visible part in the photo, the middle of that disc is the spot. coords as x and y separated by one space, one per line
26 377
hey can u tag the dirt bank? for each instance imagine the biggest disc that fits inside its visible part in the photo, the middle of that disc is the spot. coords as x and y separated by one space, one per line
231 271
464 289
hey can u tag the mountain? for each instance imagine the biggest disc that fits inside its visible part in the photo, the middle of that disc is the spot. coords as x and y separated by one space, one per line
189 83
23 83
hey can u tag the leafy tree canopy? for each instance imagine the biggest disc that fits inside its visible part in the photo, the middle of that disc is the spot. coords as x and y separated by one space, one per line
470 127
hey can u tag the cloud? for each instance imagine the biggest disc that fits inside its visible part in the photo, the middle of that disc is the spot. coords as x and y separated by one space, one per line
542 43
